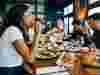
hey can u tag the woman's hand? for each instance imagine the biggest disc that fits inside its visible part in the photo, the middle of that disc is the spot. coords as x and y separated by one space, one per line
28 68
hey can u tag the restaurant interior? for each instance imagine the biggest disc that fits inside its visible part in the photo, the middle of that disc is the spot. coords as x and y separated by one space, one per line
63 43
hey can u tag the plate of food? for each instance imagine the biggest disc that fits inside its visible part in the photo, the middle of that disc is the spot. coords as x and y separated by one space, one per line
45 55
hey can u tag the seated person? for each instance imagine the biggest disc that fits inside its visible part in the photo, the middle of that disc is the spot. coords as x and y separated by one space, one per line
13 49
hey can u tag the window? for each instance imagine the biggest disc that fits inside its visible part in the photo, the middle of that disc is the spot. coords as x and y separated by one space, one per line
40 7
92 1
68 27
68 9
93 11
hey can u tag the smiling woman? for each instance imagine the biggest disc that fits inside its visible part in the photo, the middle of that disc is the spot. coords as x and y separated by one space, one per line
14 46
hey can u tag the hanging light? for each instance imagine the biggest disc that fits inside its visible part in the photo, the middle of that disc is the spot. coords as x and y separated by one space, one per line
82 13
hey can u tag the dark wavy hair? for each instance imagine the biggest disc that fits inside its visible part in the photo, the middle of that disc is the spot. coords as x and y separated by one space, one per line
16 14
14 17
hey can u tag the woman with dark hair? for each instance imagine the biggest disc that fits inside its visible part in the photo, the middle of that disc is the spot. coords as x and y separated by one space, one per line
13 49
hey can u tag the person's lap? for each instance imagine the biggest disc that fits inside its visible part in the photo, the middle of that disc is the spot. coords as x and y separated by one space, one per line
12 71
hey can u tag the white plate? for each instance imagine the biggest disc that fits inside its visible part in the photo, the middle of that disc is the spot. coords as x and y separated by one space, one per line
49 69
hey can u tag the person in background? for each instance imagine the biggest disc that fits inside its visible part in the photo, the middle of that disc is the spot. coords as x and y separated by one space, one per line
59 25
97 34
95 25
13 49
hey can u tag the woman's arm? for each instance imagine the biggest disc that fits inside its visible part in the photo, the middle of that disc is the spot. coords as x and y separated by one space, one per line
23 50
